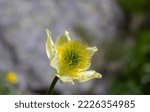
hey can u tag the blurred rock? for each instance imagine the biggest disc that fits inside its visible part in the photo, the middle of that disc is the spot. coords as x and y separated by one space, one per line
22 35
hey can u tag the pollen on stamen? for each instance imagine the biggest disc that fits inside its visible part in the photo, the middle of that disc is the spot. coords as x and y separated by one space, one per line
73 57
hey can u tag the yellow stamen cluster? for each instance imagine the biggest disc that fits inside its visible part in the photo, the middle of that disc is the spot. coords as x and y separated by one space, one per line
73 57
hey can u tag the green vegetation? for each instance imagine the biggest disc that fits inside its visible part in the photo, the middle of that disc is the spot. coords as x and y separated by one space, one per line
135 6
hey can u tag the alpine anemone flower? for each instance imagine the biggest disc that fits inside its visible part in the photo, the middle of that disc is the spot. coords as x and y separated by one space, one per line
71 59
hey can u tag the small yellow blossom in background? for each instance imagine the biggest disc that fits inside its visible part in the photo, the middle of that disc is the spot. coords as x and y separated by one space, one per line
11 77
71 59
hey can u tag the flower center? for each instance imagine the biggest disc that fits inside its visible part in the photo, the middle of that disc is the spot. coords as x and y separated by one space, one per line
73 57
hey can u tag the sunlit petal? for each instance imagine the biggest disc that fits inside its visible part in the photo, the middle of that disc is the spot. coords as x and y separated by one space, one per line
65 78
54 62
62 39
50 50
87 75
92 50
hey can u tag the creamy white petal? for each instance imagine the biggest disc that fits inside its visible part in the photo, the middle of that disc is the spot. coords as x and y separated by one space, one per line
62 39
92 50
50 50
87 75
54 63
64 78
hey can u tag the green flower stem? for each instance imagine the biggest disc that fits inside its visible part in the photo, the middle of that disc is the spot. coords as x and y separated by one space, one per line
50 89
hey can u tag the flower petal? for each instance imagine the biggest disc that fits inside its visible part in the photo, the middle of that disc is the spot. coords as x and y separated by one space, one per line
87 75
50 50
92 50
64 78
62 39
54 63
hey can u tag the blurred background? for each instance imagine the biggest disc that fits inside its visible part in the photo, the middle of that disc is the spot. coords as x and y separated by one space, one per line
119 28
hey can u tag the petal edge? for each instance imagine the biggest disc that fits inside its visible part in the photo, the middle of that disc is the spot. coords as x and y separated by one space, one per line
87 75
54 63
50 50
92 50
62 39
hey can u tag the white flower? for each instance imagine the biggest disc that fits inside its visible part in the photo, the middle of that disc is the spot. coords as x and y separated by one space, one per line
70 58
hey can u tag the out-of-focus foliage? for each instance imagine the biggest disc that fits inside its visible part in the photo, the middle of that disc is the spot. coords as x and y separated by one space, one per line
133 77
135 6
